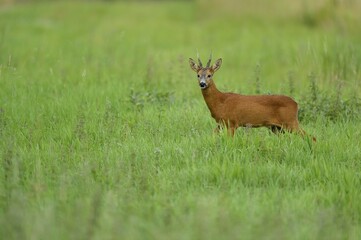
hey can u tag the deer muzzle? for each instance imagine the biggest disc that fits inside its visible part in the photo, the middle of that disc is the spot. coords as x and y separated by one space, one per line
203 84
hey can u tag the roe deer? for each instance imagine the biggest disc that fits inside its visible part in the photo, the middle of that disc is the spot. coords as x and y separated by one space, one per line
276 112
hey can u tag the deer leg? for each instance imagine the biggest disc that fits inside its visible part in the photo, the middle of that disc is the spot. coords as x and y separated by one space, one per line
217 129
296 129
231 131
276 129
303 134
231 127
292 127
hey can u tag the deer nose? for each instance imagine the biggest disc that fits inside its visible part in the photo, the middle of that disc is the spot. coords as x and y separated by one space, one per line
202 84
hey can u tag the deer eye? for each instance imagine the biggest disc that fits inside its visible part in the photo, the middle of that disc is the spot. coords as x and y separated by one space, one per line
198 76
209 76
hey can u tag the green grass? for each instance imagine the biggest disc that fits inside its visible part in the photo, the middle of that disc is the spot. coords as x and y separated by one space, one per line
105 135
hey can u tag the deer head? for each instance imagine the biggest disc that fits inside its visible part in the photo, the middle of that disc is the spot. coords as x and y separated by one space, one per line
205 74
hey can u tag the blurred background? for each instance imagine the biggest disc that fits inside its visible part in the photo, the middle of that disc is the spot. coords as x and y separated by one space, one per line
278 46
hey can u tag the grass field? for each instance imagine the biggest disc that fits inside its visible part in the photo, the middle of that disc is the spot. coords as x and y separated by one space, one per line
105 134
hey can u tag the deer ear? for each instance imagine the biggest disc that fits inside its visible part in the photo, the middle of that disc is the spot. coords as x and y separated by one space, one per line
193 65
217 65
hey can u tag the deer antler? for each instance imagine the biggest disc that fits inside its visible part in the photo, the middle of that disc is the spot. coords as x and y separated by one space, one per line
209 61
199 60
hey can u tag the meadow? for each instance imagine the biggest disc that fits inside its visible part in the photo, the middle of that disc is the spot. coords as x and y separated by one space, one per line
105 134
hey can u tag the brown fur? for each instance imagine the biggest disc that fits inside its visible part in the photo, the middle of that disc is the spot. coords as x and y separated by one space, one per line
277 112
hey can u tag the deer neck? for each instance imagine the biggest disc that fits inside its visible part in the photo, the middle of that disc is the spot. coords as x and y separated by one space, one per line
213 97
